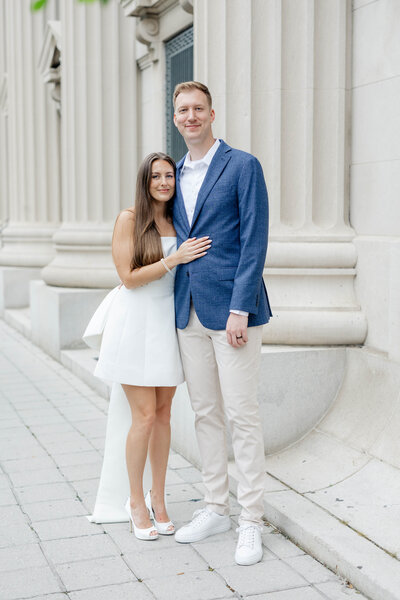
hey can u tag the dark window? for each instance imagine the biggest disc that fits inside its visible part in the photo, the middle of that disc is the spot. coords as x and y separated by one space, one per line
179 67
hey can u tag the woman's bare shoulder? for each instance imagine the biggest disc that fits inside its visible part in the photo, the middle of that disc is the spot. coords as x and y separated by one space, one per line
126 215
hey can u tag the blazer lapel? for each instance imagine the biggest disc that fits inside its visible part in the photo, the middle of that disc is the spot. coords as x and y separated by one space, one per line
179 197
214 171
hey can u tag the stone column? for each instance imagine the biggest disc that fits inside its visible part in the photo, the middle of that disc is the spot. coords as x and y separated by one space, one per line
98 164
281 91
3 123
30 187
98 134
34 200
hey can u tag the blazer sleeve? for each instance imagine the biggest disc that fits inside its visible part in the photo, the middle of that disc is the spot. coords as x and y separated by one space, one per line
253 219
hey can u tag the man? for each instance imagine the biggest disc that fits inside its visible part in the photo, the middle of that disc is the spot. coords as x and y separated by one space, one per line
221 304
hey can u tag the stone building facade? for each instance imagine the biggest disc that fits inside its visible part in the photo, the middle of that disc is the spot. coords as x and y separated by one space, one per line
311 87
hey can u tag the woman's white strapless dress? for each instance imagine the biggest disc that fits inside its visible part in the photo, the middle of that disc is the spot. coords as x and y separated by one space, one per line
139 347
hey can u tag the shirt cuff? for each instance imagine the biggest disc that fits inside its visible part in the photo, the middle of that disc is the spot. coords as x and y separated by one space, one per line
242 313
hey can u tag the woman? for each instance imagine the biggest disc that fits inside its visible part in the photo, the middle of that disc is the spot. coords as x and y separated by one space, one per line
139 351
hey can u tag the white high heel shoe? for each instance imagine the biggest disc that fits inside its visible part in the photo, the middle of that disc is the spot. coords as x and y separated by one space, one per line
162 528
142 534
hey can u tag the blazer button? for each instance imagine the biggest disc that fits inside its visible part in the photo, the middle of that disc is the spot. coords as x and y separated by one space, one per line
187 273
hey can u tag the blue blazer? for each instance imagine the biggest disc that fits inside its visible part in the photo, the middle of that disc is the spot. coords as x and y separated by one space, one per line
232 208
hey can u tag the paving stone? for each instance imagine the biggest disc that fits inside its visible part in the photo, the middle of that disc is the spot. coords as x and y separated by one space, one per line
96 572
62 427
176 461
7 497
78 458
268 576
51 597
182 512
47 491
79 548
18 450
311 569
82 472
173 478
65 528
20 557
25 464
303 593
55 448
60 437
182 493
27 583
12 534
98 443
338 590
128 543
189 474
86 487
203 585
4 482
175 560
54 509
92 428
221 553
281 546
36 477
124 591
10 423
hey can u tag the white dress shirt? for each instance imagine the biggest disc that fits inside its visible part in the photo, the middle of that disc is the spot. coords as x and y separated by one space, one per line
192 176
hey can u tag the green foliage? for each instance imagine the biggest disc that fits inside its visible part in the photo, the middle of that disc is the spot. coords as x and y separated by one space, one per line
38 4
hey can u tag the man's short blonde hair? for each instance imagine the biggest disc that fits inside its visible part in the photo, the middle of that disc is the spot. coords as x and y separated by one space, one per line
187 86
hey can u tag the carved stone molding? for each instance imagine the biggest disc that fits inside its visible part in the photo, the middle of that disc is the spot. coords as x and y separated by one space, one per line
187 6
4 95
50 60
142 8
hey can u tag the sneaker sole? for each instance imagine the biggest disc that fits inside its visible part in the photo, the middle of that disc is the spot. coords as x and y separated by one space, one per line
204 535
248 562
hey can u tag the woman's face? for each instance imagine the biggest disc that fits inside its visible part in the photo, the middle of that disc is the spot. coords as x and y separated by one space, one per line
162 181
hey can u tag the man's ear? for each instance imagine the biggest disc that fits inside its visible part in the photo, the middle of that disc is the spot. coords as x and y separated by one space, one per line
175 120
212 115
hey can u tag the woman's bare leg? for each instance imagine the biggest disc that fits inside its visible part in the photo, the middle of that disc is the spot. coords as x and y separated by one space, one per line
159 445
142 401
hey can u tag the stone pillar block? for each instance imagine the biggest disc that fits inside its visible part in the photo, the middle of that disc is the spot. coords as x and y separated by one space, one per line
291 397
60 315
14 286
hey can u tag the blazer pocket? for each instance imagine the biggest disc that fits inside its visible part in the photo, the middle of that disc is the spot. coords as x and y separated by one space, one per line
226 273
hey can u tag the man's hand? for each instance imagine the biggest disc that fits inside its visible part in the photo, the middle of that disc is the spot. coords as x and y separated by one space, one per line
236 330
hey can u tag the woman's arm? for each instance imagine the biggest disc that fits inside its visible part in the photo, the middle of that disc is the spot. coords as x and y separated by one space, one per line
122 251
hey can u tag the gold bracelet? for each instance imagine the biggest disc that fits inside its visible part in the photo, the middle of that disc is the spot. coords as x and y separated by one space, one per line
166 267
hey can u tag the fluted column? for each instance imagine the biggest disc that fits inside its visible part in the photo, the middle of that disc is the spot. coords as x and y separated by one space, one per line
98 140
281 91
33 170
3 123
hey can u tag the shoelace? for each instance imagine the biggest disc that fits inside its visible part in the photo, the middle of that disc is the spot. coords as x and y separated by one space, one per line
247 535
199 516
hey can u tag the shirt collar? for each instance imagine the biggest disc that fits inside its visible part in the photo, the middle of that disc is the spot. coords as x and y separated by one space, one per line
207 158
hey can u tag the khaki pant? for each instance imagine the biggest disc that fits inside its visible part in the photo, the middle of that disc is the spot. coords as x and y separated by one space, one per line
219 376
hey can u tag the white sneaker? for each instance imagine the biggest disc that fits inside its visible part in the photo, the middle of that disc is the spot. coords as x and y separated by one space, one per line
205 522
249 548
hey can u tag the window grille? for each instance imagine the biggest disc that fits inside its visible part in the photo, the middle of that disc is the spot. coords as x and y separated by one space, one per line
179 67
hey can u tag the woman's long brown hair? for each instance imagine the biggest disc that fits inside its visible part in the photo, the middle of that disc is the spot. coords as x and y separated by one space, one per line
147 248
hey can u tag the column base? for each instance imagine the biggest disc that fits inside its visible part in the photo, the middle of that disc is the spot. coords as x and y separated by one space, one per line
59 315
14 286
291 398
316 327
27 245
83 258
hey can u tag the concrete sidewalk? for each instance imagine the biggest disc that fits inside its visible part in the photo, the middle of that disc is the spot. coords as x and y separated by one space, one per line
51 438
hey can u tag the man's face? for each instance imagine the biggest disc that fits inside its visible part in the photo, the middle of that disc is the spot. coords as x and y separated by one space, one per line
193 116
